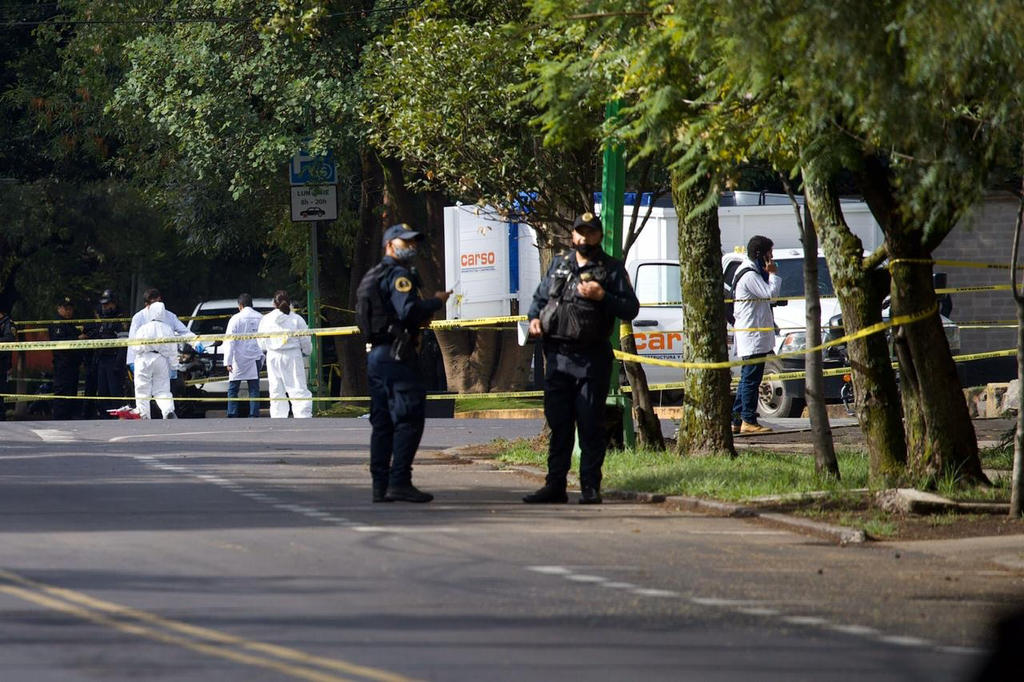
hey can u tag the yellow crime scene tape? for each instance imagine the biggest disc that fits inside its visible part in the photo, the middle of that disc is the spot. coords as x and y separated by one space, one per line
951 263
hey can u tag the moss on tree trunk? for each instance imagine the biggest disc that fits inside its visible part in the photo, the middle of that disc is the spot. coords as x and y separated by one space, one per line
707 403
860 297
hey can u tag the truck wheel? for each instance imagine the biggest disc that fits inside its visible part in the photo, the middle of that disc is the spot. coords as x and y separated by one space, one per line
774 398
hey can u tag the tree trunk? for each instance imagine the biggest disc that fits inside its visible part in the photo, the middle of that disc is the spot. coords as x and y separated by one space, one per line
948 445
940 436
704 428
648 433
860 298
825 462
1017 479
366 251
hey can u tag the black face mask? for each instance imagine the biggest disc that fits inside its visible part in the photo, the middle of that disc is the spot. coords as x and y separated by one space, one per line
589 250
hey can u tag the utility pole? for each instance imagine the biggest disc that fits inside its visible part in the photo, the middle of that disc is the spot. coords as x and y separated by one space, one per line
613 185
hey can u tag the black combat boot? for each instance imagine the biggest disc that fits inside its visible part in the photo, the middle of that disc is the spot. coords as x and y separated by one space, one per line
549 494
380 492
589 495
407 493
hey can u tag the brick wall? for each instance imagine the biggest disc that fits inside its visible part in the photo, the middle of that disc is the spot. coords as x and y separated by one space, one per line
984 236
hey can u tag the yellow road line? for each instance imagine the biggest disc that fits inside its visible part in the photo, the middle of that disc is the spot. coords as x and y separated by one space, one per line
108 614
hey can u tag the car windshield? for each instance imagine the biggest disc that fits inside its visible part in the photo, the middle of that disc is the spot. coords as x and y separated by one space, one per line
791 270
219 320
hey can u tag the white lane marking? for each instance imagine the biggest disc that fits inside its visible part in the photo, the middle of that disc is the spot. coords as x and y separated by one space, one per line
215 433
904 641
649 592
54 435
619 585
758 611
406 529
549 570
859 630
714 601
586 578
804 620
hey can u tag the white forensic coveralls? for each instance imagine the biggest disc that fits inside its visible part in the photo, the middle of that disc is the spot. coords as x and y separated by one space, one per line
139 319
285 372
243 356
153 363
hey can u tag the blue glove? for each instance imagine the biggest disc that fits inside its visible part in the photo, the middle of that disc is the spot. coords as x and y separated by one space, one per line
200 347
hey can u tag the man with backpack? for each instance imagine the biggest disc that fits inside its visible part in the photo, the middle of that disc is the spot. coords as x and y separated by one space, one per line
756 282
390 314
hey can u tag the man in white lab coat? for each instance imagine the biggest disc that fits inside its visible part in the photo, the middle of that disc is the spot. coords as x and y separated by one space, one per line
757 281
153 363
242 358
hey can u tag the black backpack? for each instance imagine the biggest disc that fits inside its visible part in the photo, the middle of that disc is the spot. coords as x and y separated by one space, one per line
730 315
371 307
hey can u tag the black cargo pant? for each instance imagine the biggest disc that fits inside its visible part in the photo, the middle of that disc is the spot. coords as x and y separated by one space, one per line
572 404
397 415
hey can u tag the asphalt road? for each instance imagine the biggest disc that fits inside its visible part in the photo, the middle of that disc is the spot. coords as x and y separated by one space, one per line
237 550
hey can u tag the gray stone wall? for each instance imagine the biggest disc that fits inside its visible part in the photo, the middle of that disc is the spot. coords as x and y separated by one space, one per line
984 236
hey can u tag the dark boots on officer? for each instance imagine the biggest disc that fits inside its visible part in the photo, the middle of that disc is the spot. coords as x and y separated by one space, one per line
390 315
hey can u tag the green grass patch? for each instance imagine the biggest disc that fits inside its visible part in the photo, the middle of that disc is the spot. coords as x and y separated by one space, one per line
342 410
751 474
997 457
474 404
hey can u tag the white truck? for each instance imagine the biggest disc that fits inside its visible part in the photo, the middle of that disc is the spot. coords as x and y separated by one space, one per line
493 266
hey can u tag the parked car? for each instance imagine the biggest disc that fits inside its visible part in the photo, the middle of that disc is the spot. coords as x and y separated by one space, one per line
210 362
658 326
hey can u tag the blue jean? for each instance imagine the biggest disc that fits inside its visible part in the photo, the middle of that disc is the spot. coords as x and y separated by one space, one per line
745 406
254 392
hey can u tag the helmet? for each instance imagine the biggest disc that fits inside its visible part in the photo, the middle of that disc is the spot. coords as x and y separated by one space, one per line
107 296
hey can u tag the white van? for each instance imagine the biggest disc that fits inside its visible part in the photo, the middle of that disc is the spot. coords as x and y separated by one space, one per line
212 358
657 329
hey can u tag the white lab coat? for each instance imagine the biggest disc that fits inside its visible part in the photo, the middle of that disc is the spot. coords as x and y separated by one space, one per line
139 319
153 363
243 356
755 314
285 371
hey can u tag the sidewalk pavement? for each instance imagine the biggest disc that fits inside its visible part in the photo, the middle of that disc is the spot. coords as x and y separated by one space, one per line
1005 551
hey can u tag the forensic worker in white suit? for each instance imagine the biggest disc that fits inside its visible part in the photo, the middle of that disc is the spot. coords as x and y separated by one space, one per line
243 357
153 363
285 371
139 319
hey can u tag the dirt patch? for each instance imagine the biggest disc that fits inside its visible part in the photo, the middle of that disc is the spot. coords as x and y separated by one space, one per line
882 525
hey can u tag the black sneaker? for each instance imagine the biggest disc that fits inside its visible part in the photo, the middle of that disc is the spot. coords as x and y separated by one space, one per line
171 415
590 496
406 493
547 495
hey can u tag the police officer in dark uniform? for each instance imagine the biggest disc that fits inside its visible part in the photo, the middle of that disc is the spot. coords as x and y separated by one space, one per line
8 334
66 363
573 310
108 364
390 314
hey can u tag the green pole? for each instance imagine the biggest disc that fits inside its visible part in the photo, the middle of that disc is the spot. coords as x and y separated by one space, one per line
313 306
613 186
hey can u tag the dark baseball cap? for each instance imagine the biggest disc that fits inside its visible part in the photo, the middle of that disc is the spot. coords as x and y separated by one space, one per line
400 231
65 302
588 221
107 296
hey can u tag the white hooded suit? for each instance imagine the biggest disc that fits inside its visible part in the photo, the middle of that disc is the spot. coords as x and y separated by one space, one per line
285 372
153 363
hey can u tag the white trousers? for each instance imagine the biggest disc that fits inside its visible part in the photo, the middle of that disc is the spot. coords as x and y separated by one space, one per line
152 379
286 375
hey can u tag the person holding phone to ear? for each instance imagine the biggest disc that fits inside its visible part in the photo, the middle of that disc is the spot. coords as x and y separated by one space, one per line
756 282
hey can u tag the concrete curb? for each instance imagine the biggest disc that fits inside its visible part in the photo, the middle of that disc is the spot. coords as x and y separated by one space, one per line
839 534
